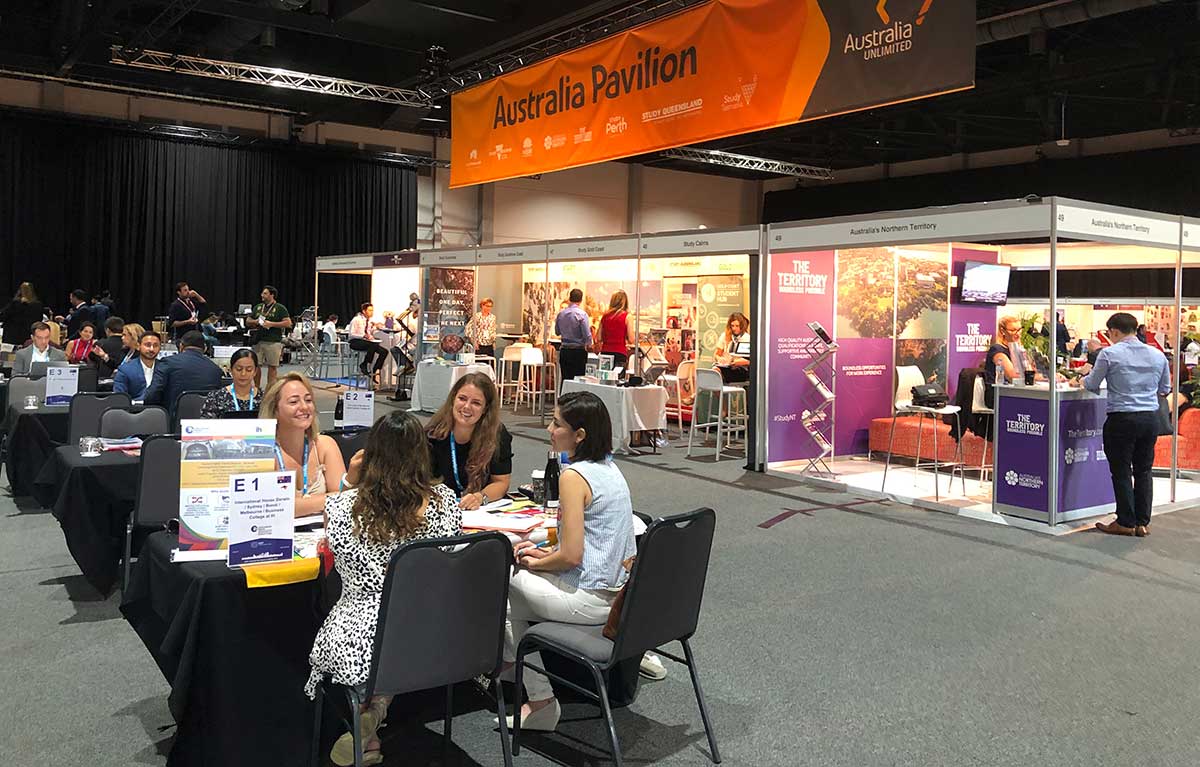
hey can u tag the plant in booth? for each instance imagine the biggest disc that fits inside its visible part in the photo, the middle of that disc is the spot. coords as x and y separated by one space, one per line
1037 346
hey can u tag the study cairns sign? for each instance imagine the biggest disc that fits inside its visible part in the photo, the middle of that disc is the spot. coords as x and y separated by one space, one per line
718 69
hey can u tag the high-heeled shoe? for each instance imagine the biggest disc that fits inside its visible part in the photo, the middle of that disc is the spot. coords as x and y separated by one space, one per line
342 753
545 719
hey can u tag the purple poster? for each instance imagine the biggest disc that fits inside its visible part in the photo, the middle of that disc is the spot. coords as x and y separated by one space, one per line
1022 453
801 292
864 391
1084 481
971 325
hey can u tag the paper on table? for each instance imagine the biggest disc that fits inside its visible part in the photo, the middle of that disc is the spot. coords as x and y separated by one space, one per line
311 519
477 519
497 505
201 555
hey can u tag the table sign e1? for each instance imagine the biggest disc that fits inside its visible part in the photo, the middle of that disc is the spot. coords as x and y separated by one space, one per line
358 409
61 385
262 507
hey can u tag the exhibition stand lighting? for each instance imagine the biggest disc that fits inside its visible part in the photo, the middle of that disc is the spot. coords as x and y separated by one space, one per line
746 162
280 78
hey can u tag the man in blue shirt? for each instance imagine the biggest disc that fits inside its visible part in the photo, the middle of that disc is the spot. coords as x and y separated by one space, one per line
1137 375
575 329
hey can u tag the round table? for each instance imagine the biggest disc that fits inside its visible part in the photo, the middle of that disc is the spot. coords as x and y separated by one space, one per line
630 408
433 381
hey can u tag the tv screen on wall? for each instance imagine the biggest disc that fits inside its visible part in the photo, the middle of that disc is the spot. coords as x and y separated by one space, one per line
984 283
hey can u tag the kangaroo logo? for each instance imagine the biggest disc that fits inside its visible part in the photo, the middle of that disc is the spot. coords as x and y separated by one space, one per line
886 18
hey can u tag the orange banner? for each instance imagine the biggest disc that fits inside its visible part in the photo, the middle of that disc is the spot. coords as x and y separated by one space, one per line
720 69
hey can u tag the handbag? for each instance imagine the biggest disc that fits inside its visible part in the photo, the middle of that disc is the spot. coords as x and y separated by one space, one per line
1164 418
929 395
614 612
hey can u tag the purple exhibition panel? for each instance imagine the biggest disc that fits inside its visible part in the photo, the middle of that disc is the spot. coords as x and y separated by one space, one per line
1084 481
864 391
971 325
1022 453
801 292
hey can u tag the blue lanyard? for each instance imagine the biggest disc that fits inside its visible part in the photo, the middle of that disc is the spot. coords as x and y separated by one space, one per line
237 407
279 457
454 463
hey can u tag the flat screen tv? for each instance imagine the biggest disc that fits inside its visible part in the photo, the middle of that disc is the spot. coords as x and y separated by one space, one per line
984 283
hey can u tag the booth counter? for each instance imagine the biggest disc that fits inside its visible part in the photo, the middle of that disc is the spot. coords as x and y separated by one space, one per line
1030 481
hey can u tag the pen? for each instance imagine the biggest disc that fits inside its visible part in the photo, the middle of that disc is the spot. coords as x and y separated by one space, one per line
543 544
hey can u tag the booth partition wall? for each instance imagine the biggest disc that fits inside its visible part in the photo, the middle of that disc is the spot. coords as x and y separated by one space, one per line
919 294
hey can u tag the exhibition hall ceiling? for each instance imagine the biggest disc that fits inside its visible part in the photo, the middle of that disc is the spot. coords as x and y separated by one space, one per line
1045 69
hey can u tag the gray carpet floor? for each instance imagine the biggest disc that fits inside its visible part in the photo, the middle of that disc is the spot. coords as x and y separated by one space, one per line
850 633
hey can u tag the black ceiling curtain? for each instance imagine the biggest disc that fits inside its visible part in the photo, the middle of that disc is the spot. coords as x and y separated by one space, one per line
88 205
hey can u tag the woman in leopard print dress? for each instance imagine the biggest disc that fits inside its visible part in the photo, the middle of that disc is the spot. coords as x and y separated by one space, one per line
393 500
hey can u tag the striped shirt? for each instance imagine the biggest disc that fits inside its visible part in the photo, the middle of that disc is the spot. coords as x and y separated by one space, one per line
607 529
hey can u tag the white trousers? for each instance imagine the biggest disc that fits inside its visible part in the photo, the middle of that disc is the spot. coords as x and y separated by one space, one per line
534 597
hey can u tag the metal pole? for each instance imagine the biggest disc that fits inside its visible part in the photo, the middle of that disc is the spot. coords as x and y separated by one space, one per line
760 361
1177 352
1052 426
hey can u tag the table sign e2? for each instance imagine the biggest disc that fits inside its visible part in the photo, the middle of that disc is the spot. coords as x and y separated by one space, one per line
358 409
262 507
61 385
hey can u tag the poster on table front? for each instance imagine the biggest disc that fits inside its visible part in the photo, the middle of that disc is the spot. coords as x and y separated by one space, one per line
211 451
802 291
866 291
449 307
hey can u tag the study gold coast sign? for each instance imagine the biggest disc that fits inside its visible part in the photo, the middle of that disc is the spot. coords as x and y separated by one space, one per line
719 69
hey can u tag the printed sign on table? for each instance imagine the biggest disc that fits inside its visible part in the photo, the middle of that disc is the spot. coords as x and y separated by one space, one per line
262 509
61 385
1084 478
1021 453
211 452
358 409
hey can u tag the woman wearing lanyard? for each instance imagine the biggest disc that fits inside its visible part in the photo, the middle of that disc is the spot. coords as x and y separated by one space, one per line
241 395
299 444
468 446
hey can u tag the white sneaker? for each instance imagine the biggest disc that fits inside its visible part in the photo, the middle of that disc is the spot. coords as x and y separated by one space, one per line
545 719
652 667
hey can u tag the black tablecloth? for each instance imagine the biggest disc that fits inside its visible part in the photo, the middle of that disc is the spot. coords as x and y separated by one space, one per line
32 437
91 498
236 658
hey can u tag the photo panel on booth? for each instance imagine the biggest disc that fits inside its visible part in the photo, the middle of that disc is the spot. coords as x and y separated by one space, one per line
447 300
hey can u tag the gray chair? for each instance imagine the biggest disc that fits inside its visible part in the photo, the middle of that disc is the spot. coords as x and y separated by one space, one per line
128 422
188 406
20 387
157 492
662 604
350 441
83 418
446 608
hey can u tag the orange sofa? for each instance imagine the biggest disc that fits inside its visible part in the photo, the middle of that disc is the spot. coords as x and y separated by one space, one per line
906 441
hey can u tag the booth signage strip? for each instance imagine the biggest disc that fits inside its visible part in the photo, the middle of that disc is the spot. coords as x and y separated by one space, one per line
1191 235
443 257
337 263
511 254
1017 221
680 80
575 250
1103 224
702 241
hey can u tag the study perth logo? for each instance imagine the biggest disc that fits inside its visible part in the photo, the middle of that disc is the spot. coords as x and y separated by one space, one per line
895 36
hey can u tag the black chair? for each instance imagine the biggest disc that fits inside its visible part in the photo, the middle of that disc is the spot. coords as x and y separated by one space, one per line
441 621
157 494
89 379
127 422
188 406
662 604
350 441
83 419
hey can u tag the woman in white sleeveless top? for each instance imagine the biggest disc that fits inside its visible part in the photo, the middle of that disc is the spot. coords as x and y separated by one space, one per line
577 581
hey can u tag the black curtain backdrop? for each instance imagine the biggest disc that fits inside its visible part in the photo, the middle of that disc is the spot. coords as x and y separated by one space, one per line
343 294
1162 180
97 206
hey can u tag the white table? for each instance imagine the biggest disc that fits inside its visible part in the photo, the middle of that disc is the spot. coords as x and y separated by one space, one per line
433 381
630 408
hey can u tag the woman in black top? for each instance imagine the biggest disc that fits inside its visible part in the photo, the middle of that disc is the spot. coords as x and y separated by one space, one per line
468 446
1008 331
241 395
19 315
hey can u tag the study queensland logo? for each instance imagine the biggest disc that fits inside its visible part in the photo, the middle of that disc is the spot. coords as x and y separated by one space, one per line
896 35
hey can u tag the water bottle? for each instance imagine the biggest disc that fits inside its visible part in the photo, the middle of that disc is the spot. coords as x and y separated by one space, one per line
338 417
552 474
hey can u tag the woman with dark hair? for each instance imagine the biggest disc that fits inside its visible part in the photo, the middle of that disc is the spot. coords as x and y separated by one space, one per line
239 396
80 350
19 314
577 580
468 446
617 333
733 353
393 499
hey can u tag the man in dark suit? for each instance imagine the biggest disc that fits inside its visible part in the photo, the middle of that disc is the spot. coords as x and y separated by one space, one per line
134 376
80 313
189 370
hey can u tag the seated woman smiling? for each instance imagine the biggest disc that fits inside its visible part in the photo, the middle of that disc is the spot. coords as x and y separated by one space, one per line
299 444
394 500
468 446
577 581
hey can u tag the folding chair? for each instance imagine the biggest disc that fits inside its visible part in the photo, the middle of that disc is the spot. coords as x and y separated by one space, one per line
118 423
158 492
83 419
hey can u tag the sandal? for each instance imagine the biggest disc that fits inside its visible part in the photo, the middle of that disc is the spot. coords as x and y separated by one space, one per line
342 753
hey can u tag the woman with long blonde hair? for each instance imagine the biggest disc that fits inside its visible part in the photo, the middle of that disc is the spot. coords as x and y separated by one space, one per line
393 499
617 331
300 446
468 446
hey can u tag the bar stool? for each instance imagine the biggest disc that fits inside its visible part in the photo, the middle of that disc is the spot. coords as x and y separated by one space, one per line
727 420
532 378
509 368
908 376
978 407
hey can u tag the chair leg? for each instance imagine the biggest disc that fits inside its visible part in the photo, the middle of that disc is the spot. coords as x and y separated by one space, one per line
356 728
501 715
602 691
920 434
447 724
708 728
936 459
128 553
888 462
720 404
519 687
318 704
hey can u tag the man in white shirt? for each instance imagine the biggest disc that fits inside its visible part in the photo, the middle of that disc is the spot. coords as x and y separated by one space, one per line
329 331
38 351
134 376
362 339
